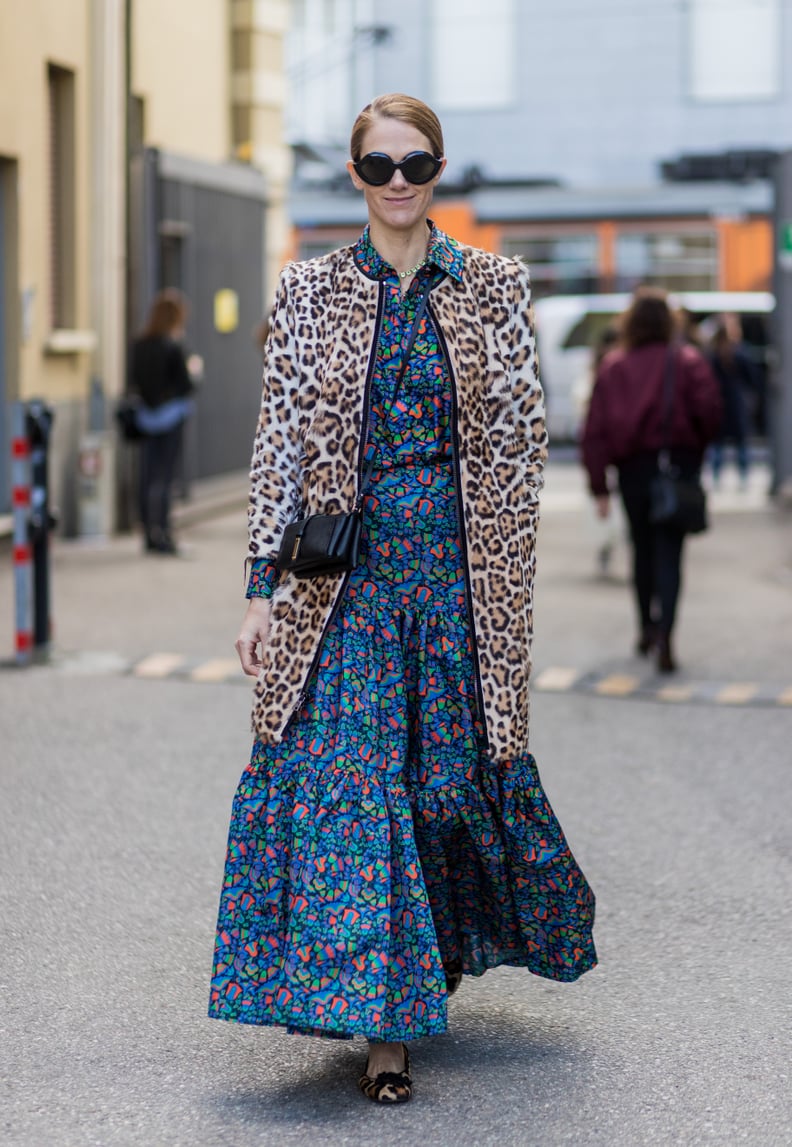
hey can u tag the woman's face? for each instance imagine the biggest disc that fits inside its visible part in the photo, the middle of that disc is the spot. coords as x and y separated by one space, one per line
397 205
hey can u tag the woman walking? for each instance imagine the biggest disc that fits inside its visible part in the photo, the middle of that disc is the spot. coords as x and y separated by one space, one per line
391 832
159 374
634 414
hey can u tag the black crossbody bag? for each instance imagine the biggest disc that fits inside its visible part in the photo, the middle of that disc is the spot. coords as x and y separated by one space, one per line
676 500
322 544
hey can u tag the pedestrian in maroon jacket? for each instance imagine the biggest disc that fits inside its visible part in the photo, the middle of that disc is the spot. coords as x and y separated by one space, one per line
626 428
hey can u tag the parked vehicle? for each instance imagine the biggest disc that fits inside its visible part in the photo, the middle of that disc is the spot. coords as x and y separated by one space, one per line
569 327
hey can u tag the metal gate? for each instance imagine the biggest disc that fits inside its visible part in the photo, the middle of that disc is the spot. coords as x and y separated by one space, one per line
200 227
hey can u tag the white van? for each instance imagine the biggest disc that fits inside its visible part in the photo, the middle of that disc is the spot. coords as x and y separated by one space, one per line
568 328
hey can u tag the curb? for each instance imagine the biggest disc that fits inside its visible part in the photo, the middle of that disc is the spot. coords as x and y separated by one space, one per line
612 684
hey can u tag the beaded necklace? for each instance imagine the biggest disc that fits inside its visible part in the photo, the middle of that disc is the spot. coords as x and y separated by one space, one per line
412 270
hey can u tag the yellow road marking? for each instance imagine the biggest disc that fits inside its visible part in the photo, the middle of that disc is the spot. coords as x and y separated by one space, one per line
617 685
738 694
219 669
556 679
159 665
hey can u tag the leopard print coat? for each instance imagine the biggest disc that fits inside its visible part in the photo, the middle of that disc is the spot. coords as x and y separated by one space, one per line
319 359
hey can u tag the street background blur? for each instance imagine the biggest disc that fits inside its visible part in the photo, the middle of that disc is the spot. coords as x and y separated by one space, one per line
199 144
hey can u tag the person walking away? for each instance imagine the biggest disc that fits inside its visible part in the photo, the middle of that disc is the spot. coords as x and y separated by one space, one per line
391 832
159 375
736 377
627 427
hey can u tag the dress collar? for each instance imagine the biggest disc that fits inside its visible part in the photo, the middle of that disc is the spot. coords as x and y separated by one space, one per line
443 253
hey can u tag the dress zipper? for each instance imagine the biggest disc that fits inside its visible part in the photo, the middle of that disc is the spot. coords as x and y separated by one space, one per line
461 524
361 453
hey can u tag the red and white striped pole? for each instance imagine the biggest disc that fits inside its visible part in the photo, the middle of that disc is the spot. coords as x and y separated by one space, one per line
20 502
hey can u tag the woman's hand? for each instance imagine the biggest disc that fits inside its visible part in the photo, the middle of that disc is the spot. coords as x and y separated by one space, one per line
253 634
602 502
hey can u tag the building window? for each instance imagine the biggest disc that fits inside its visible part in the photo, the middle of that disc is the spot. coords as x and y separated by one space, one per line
679 261
735 48
62 213
473 48
559 264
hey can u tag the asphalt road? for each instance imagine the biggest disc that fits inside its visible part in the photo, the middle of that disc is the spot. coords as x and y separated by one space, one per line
114 800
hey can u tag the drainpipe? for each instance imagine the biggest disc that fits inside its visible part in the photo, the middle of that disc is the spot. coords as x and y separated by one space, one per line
108 263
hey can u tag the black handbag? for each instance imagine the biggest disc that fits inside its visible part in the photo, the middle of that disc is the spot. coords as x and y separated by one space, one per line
126 417
677 500
322 544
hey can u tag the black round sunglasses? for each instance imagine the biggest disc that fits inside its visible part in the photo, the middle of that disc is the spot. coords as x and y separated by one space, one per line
377 169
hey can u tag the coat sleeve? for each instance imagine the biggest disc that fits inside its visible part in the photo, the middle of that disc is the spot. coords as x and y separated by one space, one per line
595 442
527 396
276 469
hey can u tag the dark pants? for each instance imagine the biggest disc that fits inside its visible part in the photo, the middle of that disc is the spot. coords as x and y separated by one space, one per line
657 553
159 456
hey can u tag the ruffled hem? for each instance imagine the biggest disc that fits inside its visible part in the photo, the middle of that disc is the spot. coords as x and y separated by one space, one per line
503 884
324 919
352 941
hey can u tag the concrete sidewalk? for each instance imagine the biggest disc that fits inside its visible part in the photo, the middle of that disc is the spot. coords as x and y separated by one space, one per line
117 610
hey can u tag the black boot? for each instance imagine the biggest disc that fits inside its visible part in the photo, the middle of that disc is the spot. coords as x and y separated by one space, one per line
665 658
647 641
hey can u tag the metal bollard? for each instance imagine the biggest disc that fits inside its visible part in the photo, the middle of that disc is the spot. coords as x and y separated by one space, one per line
38 419
20 500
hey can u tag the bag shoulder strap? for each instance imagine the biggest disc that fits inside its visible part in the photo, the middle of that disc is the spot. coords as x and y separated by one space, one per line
668 405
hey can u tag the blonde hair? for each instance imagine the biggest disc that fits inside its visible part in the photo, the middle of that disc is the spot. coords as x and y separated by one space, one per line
405 108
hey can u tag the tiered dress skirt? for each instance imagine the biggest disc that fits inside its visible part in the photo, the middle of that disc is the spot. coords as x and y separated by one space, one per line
378 843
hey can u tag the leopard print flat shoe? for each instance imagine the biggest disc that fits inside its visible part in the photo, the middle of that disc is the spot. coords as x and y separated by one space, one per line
388 1086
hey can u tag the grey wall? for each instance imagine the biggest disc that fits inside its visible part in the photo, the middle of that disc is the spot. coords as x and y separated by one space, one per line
222 248
601 92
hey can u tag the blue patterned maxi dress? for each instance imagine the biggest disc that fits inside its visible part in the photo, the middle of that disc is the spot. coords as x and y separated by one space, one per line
378 843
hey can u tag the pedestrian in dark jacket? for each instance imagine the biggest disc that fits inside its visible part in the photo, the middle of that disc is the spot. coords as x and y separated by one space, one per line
159 375
737 378
626 428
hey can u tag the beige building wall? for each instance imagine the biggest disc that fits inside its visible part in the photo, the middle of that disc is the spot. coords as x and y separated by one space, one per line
258 99
44 359
211 77
52 32
181 71
192 92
